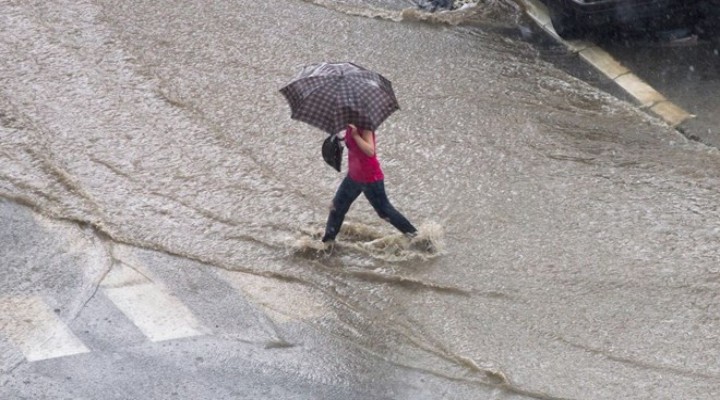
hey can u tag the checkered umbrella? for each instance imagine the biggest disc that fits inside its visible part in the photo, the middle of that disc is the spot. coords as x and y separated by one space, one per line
330 96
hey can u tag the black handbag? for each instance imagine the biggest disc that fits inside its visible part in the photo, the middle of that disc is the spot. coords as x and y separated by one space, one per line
332 152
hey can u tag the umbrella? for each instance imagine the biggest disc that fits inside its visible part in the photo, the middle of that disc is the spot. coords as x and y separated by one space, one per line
330 96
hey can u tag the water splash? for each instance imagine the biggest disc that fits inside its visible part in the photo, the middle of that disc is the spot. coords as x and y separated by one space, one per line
367 241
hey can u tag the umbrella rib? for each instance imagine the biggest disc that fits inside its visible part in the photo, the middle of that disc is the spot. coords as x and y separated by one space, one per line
318 87
337 96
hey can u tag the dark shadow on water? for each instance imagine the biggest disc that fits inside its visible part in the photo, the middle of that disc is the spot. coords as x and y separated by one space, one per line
558 55
682 63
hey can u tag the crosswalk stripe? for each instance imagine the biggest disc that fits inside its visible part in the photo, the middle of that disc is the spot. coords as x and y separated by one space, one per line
159 315
30 324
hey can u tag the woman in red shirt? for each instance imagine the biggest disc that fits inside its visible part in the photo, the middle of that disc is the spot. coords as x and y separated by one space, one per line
364 176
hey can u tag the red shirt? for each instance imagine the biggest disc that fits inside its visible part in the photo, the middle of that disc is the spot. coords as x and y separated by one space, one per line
361 167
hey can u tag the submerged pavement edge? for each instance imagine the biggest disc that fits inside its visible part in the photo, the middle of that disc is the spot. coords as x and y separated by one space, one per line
647 97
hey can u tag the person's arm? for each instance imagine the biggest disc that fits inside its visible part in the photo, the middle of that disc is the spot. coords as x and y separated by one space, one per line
364 141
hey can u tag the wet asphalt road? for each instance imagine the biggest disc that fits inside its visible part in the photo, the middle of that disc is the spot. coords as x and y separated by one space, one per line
687 73
587 249
213 334
685 70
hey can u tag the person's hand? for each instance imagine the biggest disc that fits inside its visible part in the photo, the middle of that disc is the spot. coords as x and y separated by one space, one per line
353 129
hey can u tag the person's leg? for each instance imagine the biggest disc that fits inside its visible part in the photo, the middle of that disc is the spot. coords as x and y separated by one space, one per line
348 191
375 193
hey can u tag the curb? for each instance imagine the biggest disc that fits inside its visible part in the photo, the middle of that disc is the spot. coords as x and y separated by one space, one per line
646 96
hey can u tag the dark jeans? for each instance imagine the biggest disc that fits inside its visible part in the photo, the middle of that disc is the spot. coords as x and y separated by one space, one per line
348 191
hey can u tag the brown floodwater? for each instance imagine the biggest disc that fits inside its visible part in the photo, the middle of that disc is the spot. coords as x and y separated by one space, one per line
578 235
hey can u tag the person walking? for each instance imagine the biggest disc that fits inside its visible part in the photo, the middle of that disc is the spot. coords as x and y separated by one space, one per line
364 176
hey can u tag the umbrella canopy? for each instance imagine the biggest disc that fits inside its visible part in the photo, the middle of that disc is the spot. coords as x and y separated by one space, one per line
330 96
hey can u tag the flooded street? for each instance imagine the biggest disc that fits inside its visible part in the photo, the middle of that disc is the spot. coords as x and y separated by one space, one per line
579 234
687 73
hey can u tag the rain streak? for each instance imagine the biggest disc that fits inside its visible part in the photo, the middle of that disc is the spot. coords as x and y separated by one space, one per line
577 235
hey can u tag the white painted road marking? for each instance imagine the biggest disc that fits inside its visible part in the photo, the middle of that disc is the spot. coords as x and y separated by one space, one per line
30 324
159 315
